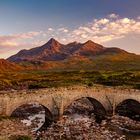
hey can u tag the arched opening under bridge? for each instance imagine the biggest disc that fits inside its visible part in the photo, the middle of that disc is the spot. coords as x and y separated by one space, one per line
86 106
35 115
129 108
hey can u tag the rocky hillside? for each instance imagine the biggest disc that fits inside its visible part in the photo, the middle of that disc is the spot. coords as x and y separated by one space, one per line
53 50
5 65
88 55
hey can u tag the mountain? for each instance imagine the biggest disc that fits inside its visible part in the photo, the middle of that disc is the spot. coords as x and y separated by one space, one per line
53 50
5 65
76 55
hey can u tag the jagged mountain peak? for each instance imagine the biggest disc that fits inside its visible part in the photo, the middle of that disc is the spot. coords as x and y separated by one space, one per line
52 45
53 50
89 42
52 42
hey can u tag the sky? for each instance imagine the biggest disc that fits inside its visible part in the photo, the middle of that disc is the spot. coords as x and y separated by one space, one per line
25 24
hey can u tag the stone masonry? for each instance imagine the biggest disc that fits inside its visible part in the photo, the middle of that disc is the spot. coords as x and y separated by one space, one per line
60 98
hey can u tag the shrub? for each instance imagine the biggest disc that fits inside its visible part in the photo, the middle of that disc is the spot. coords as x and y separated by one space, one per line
137 86
90 84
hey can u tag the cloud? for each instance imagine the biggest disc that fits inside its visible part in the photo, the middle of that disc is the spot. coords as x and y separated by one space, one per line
65 30
103 30
101 21
15 42
113 15
100 30
138 17
50 29
107 29
14 39
27 35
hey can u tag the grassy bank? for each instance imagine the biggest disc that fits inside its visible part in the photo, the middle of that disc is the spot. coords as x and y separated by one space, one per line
45 79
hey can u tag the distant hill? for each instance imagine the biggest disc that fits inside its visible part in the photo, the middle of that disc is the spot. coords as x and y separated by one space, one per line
5 65
55 51
88 55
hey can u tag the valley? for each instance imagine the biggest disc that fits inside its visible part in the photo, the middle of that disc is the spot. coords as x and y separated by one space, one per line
99 84
69 69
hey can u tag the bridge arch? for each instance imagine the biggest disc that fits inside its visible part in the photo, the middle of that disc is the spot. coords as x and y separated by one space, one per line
19 103
34 110
99 108
130 108
101 99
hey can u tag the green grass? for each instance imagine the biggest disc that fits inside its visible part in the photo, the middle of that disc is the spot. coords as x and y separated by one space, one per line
45 79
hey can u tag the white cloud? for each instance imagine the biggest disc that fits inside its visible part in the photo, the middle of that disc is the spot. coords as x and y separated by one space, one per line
84 36
64 39
100 30
102 21
50 29
103 30
113 15
138 17
14 39
65 30
107 29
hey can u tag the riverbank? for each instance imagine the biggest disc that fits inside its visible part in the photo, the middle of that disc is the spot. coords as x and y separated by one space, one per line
78 128
10 128
73 127
78 123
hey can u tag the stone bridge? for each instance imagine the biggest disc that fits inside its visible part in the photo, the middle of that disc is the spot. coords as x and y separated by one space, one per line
60 98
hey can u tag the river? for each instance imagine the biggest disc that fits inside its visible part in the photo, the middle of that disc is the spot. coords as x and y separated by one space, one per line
35 117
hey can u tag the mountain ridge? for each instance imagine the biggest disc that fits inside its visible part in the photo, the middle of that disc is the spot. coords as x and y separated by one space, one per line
75 56
55 51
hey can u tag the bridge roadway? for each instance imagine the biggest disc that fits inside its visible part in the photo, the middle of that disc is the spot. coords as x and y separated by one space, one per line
57 99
